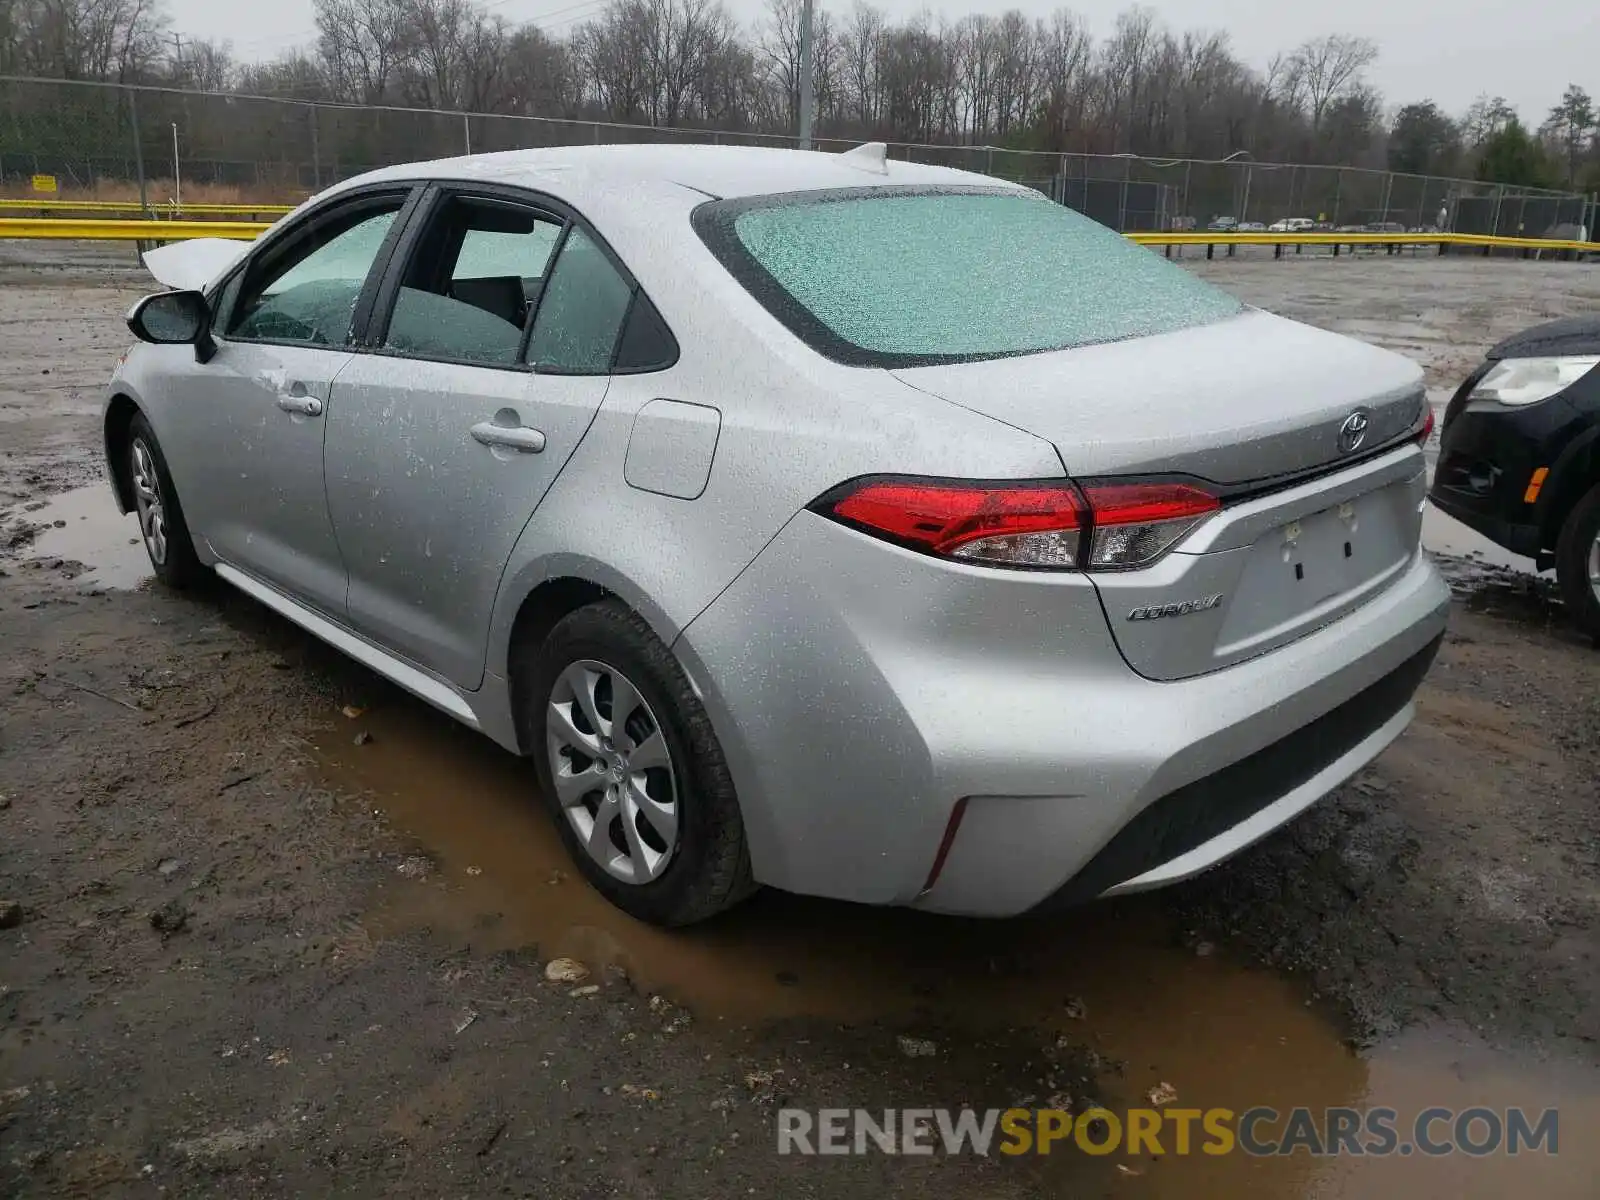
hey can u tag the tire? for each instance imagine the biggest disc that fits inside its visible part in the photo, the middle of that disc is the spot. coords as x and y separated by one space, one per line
1578 563
690 861
161 524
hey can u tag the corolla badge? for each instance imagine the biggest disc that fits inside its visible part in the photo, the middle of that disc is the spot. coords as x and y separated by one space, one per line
1353 433
1154 612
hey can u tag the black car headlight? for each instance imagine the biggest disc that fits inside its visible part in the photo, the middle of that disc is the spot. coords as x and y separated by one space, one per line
1520 381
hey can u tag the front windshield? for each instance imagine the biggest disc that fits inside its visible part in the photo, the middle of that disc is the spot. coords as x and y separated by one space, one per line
893 277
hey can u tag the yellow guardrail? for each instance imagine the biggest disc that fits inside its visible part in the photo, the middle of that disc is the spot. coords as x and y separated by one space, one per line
104 230
1198 238
148 230
119 206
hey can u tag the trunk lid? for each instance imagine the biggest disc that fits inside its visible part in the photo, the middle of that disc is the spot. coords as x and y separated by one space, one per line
1255 405
189 266
1234 402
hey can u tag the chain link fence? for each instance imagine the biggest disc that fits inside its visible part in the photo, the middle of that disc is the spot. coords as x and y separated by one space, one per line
159 145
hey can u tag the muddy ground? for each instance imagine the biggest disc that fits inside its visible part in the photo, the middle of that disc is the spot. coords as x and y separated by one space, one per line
261 947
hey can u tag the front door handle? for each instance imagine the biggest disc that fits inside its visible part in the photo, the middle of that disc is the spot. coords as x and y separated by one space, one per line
305 406
511 437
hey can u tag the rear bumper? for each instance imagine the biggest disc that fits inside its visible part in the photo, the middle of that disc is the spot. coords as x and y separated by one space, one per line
1192 829
860 691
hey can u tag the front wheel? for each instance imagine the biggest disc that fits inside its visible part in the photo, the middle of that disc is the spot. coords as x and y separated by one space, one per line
161 525
631 768
1578 563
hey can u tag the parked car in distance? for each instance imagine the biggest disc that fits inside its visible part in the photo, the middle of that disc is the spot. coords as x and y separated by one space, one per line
1252 227
1223 225
735 488
1292 225
1519 455
1387 227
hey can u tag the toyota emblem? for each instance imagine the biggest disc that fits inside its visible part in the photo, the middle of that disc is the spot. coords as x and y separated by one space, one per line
1353 433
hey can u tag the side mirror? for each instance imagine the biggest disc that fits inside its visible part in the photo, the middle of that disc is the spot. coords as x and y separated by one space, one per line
174 319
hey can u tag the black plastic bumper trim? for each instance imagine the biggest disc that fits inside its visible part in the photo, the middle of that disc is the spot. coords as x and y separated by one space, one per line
1194 814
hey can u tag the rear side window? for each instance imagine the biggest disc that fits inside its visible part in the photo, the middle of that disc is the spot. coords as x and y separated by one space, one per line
897 277
581 312
475 278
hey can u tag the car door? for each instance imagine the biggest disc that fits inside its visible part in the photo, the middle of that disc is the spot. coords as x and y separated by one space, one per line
258 408
491 347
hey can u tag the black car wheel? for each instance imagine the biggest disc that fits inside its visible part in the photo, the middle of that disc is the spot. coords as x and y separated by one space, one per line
161 524
631 768
1578 562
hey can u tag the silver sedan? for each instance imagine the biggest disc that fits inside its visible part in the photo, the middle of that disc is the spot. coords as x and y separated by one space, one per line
859 528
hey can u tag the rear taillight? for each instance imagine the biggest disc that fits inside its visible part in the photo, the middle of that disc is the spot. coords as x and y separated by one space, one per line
1136 523
1105 526
1426 431
1024 525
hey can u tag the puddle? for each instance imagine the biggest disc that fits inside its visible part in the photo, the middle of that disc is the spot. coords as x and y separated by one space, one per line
83 526
1221 1034
1443 534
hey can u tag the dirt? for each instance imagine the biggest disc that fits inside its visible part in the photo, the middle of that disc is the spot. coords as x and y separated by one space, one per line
280 929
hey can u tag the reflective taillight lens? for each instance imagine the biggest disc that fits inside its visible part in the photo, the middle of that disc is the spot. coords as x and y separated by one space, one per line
1426 431
1136 523
1104 526
1025 525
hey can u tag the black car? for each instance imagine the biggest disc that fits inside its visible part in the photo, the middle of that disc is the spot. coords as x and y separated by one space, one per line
1519 455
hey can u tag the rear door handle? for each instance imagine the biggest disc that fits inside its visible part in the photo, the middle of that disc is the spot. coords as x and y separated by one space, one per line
305 406
510 437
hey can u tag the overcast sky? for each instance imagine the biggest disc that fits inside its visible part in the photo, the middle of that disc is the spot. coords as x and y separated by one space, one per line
1446 50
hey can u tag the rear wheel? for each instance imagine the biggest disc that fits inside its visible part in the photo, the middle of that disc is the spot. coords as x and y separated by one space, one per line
1578 563
631 769
155 501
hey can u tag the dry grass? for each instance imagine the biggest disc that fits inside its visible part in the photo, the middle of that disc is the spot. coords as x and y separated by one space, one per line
160 191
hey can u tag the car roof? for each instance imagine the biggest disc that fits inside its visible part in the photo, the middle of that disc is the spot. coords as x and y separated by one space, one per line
577 173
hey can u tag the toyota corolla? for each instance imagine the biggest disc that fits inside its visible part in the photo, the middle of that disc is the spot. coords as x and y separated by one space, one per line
850 526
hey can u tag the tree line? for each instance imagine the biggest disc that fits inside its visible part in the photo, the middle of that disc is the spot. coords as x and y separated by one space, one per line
1007 80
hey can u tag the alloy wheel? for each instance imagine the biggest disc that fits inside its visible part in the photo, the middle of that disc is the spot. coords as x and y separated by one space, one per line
613 772
149 503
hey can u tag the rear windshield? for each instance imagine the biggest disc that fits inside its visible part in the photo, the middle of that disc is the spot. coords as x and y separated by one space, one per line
896 277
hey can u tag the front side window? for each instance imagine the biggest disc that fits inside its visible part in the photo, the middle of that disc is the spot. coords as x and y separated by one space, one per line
475 279
309 296
907 277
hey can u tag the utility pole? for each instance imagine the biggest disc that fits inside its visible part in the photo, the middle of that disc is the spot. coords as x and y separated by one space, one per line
808 97
177 170
177 56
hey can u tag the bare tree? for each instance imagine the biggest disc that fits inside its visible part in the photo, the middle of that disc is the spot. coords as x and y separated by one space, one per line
204 65
609 53
777 49
1485 117
1125 66
454 54
296 76
85 39
644 58
863 49
1065 74
361 44
1329 69
541 75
